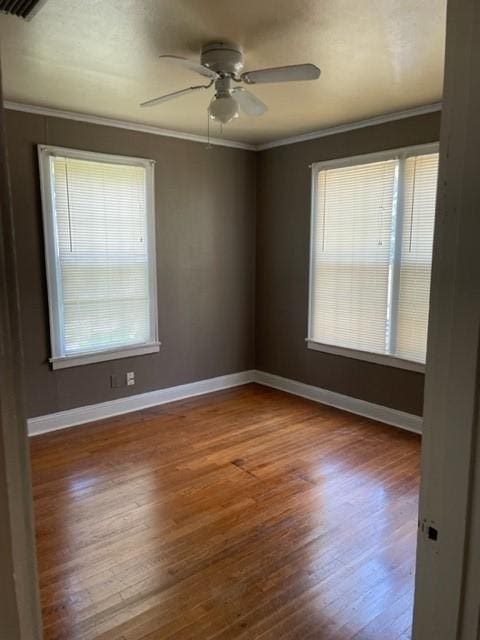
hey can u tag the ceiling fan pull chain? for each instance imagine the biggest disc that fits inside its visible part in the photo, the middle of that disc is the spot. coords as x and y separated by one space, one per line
208 131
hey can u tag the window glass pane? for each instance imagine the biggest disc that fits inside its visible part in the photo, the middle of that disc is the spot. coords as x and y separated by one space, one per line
351 255
418 217
103 262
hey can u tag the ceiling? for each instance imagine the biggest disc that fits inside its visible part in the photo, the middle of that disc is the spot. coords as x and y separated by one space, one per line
100 57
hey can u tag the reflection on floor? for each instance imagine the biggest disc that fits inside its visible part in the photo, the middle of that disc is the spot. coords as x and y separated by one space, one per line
245 514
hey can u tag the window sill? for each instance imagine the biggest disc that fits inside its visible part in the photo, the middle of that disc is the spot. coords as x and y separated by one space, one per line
102 356
357 354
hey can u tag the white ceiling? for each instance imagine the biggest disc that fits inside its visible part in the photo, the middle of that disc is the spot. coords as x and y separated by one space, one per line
100 57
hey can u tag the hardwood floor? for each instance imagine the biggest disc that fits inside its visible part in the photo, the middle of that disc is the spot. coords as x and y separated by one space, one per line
243 514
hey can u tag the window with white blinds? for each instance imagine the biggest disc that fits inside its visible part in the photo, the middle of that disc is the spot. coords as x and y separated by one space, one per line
100 250
372 235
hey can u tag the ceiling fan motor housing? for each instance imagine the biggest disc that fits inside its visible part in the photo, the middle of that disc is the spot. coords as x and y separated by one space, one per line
224 58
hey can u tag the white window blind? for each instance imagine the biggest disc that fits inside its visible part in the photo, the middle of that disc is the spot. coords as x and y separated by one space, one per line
351 255
418 218
99 232
372 233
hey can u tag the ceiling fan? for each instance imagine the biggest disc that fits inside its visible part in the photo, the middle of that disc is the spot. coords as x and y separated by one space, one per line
223 64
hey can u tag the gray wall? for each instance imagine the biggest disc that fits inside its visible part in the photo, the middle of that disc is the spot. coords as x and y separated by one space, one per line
283 232
218 312
205 207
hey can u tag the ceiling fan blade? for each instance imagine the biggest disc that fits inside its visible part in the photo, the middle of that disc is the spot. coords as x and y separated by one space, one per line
291 73
248 102
189 64
172 96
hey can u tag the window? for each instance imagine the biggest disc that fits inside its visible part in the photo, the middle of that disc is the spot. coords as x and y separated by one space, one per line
372 235
99 228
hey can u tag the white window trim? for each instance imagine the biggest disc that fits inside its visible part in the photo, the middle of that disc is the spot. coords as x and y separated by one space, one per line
368 356
58 360
102 356
391 154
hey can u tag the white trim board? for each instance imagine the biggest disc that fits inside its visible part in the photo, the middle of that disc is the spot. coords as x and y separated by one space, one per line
350 126
406 421
124 124
120 406
170 133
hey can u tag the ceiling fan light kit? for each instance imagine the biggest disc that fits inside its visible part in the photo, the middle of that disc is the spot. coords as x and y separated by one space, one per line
223 63
223 107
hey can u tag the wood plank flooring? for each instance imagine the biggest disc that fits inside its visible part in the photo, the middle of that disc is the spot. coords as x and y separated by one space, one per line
245 514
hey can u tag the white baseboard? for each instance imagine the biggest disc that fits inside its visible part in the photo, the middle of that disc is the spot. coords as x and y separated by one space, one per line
378 412
89 413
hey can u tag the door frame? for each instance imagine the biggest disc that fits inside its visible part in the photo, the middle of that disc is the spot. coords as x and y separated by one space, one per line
449 498
20 612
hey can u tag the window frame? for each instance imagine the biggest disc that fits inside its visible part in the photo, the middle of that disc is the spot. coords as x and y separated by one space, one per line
58 359
401 153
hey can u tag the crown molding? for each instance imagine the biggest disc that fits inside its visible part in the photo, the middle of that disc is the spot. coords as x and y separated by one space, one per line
124 124
360 124
169 133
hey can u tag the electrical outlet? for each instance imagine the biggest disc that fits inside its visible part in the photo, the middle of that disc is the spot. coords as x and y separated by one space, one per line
130 377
